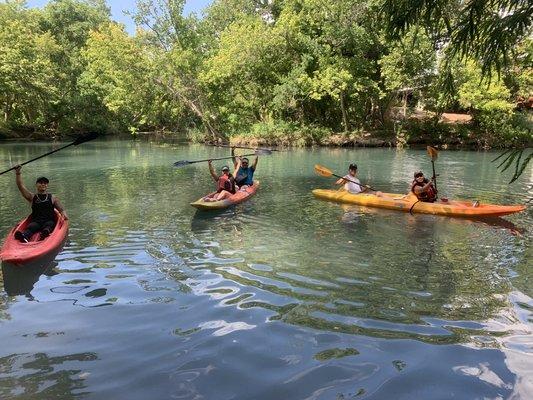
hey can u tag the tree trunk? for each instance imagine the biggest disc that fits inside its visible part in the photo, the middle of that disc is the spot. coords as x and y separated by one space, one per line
7 109
345 122
196 109
405 104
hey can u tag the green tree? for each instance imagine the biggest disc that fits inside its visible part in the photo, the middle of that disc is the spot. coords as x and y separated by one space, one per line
410 65
242 73
491 106
27 70
118 74
484 30
70 23
179 57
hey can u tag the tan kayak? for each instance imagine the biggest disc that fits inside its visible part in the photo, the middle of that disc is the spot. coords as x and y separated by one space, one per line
239 197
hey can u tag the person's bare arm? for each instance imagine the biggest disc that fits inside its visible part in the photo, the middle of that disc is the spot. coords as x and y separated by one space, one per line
233 157
254 166
237 166
341 181
212 170
25 192
60 208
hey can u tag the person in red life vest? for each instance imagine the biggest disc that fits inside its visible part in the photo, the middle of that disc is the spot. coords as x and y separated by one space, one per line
423 188
43 204
225 182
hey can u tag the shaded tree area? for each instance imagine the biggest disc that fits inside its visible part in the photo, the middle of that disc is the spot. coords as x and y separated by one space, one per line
295 72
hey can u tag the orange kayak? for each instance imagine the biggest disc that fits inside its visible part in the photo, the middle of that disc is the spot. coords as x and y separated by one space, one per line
16 252
406 203
239 197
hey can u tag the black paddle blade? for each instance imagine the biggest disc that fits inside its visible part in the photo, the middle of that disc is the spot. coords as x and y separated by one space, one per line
181 163
85 138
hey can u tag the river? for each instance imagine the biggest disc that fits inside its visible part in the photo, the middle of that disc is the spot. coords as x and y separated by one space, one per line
282 297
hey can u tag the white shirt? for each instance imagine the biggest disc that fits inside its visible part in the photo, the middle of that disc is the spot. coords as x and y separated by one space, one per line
350 186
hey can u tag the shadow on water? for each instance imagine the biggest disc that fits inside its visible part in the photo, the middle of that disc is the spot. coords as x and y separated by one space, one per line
352 214
230 218
19 280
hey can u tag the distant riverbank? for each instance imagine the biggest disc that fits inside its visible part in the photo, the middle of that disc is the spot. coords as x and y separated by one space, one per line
443 136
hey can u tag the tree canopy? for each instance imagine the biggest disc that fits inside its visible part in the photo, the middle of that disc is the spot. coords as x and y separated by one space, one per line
278 71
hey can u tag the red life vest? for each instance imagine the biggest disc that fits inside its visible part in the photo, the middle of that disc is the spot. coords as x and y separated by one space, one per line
226 183
427 196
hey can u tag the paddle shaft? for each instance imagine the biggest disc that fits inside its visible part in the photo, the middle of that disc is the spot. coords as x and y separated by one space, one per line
434 175
242 147
78 141
220 158
37 158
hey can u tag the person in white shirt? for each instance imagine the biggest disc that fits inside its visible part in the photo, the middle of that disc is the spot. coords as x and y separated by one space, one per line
351 182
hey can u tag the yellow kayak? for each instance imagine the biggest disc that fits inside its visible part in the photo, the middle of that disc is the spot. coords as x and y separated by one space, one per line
406 203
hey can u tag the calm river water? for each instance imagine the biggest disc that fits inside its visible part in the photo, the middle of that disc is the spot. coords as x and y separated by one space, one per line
282 297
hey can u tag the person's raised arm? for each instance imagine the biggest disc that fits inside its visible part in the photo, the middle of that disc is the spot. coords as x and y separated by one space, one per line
212 170
237 166
60 208
254 166
233 157
25 192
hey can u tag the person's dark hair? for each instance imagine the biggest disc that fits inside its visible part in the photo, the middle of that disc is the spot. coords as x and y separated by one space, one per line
245 159
353 167
418 174
225 168
42 179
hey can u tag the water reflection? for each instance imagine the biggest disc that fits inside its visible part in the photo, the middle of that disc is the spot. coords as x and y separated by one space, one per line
42 376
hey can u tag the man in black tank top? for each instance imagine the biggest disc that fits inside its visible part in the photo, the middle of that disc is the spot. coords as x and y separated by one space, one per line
43 204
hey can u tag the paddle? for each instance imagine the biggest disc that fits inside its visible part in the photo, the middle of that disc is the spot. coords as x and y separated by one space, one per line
78 141
258 152
323 171
242 147
434 154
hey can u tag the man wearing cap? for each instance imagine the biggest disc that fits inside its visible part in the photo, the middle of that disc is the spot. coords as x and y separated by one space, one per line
351 182
43 218
245 173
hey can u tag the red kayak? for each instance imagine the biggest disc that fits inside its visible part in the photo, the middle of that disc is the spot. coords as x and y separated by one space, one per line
16 252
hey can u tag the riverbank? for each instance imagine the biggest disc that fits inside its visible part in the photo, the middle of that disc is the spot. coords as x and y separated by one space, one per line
445 136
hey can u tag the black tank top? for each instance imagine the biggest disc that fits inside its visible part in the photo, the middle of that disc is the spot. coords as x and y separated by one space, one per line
42 208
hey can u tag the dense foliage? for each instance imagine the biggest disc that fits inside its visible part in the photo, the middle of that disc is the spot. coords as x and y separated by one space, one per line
282 71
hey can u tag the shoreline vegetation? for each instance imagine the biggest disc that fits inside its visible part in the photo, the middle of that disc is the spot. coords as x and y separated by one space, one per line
289 73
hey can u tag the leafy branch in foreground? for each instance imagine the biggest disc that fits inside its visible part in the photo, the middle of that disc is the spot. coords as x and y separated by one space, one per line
515 155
